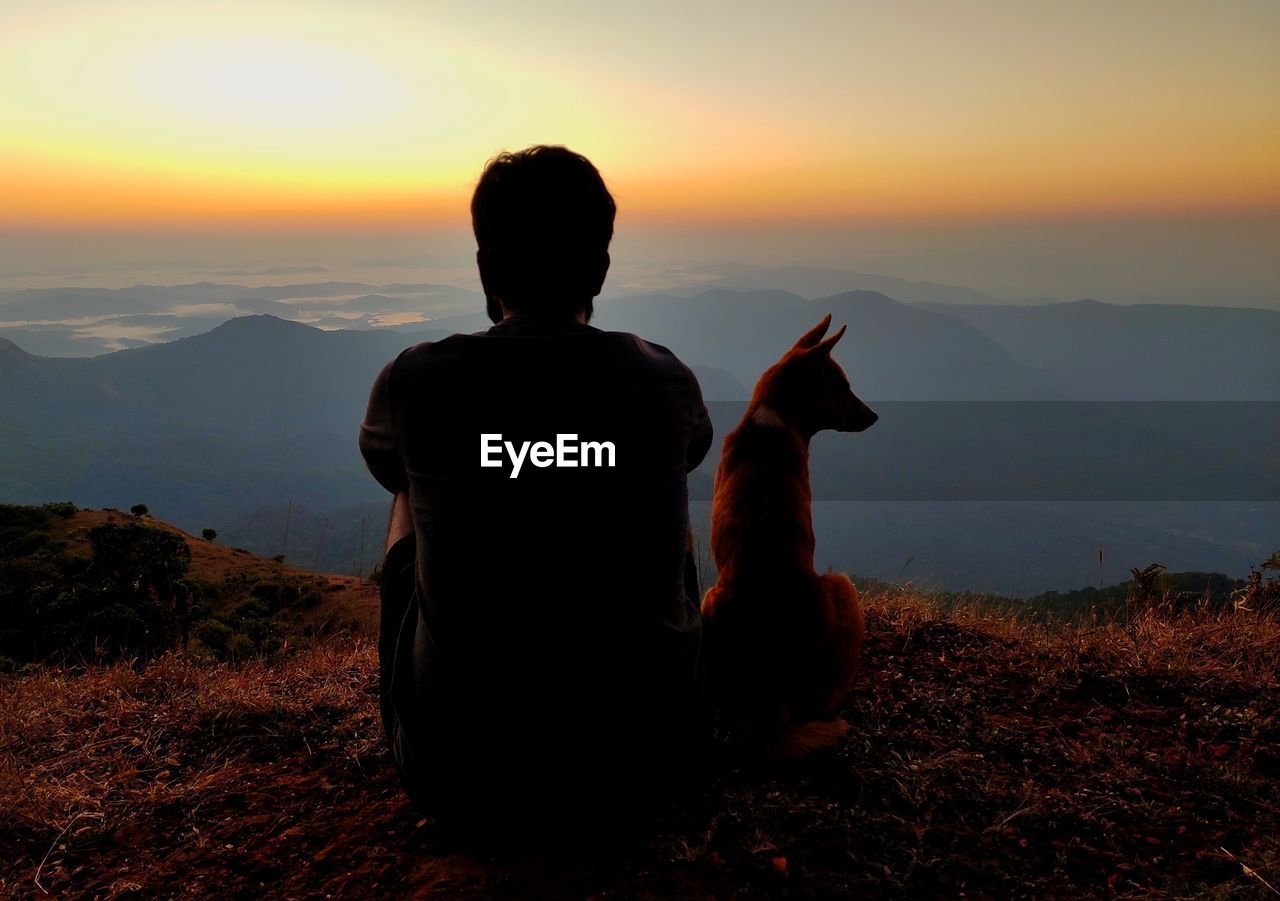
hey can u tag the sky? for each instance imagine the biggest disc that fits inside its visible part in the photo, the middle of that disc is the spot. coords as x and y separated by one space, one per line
959 119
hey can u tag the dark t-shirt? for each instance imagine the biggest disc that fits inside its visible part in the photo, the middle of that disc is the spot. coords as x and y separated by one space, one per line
551 579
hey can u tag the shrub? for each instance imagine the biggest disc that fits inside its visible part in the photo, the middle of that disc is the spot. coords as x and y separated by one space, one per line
139 510
17 522
240 647
251 609
268 592
208 534
213 634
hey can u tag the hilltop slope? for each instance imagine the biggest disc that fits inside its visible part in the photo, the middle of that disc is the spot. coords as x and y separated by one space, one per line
346 603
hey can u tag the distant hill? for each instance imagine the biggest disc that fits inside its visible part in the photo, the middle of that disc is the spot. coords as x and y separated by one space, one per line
812 281
79 322
1142 352
13 359
207 430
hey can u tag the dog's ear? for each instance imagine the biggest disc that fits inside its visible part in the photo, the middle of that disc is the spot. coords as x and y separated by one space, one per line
825 346
814 335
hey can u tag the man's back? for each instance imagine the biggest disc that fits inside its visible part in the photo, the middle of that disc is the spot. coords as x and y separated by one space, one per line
545 463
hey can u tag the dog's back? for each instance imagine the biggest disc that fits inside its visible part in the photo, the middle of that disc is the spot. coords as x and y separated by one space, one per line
782 641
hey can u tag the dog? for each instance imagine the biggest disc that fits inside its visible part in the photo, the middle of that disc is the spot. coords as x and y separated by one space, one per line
781 641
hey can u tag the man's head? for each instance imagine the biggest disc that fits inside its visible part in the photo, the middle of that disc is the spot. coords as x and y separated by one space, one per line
543 220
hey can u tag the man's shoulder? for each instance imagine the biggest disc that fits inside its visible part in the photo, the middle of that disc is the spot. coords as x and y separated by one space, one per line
463 359
425 353
642 344
463 344
657 353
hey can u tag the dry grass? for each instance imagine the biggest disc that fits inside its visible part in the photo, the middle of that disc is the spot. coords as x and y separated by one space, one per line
987 757
89 755
1219 643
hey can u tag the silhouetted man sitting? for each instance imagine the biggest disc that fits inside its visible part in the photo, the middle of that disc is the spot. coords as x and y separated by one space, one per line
540 632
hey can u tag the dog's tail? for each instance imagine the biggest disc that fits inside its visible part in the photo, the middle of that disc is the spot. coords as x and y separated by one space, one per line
802 739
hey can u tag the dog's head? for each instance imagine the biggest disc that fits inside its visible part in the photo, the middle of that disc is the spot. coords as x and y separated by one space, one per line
809 390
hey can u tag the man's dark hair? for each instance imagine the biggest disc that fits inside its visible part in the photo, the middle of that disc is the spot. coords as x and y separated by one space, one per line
543 220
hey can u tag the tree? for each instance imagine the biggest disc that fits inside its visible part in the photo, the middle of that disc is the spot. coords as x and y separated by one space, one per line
129 597
208 534
1145 589
1259 595
139 510
134 599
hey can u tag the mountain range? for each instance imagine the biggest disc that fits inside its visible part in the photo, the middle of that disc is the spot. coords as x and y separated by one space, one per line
249 427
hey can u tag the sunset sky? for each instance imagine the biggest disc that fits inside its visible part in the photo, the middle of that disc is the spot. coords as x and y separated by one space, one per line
381 114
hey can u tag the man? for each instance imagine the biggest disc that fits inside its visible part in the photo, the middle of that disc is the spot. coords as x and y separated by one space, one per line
539 637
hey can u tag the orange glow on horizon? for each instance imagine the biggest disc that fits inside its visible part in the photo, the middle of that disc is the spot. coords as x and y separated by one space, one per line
39 196
382 117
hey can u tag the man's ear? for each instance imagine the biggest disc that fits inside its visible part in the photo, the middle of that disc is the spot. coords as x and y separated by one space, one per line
492 302
597 284
482 263
814 335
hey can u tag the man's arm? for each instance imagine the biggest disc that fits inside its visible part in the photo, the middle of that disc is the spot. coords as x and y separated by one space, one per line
377 436
400 522
700 429
700 435
378 446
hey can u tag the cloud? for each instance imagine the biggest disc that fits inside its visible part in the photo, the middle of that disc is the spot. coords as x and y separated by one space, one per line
271 270
396 263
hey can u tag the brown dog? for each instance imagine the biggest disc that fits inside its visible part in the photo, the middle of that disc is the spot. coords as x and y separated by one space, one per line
781 641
